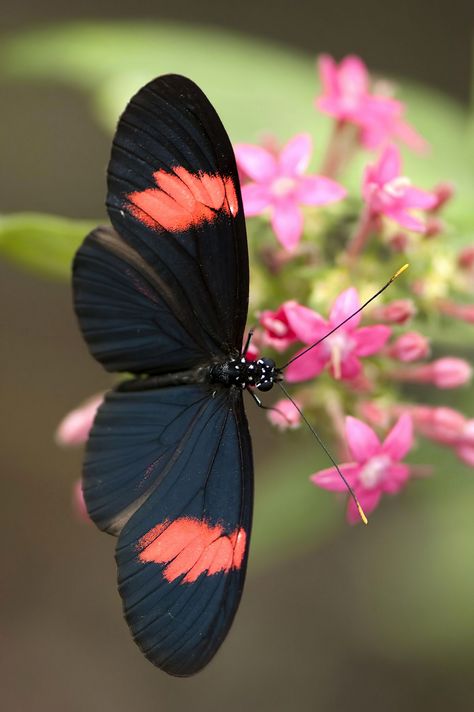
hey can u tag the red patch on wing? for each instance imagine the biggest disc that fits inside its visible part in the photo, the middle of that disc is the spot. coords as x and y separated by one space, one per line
192 547
183 200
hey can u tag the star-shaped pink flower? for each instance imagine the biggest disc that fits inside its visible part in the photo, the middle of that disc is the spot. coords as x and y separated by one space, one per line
347 96
376 469
279 184
343 349
387 192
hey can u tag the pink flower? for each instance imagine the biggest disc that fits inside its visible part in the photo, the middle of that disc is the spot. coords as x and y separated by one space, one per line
411 346
397 312
389 193
347 97
285 415
343 349
376 469
279 184
75 427
448 372
279 326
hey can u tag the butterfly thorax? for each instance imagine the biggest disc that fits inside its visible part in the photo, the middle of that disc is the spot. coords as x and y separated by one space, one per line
260 374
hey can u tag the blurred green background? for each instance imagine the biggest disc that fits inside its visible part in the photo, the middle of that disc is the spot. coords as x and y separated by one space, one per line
333 617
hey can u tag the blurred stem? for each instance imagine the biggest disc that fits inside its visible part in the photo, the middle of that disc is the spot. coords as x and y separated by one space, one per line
364 229
336 413
341 149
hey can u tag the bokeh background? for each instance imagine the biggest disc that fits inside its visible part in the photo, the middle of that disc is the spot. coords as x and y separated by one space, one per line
333 618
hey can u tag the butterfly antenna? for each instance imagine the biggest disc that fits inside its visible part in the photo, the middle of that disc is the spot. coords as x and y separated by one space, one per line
247 343
305 419
374 296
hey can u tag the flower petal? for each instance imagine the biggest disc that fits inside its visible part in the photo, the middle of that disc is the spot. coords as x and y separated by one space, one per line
256 198
328 73
318 190
400 439
307 325
396 478
370 339
330 479
307 367
75 427
350 367
368 501
389 165
287 223
363 442
346 304
403 218
295 156
353 76
418 198
256 162
406 133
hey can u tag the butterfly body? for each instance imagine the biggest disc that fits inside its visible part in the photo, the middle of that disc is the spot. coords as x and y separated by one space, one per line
163 296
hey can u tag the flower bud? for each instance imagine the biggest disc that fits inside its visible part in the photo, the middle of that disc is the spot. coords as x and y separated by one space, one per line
448 372
374 414
277 331
397 312
451 372
444 425
285 415
74 429
464 312
433 226
466 258
411 346
465 446
443 192
399 241
466 454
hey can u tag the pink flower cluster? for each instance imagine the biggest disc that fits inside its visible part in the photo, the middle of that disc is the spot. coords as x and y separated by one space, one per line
357 362
349 98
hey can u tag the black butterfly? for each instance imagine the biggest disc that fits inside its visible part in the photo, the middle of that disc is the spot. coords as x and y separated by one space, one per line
164 295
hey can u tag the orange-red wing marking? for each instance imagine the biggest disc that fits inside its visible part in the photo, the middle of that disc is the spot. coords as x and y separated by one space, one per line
192 547
183 200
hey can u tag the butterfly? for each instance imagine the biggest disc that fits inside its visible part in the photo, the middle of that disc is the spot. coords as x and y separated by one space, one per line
163 295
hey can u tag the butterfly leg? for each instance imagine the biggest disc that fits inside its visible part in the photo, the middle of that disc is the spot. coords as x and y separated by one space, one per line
266 407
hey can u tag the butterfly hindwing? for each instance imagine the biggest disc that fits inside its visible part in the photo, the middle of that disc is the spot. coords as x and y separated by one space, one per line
130 317
170 472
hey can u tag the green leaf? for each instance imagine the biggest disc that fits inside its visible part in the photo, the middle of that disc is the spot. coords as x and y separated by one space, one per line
43 243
